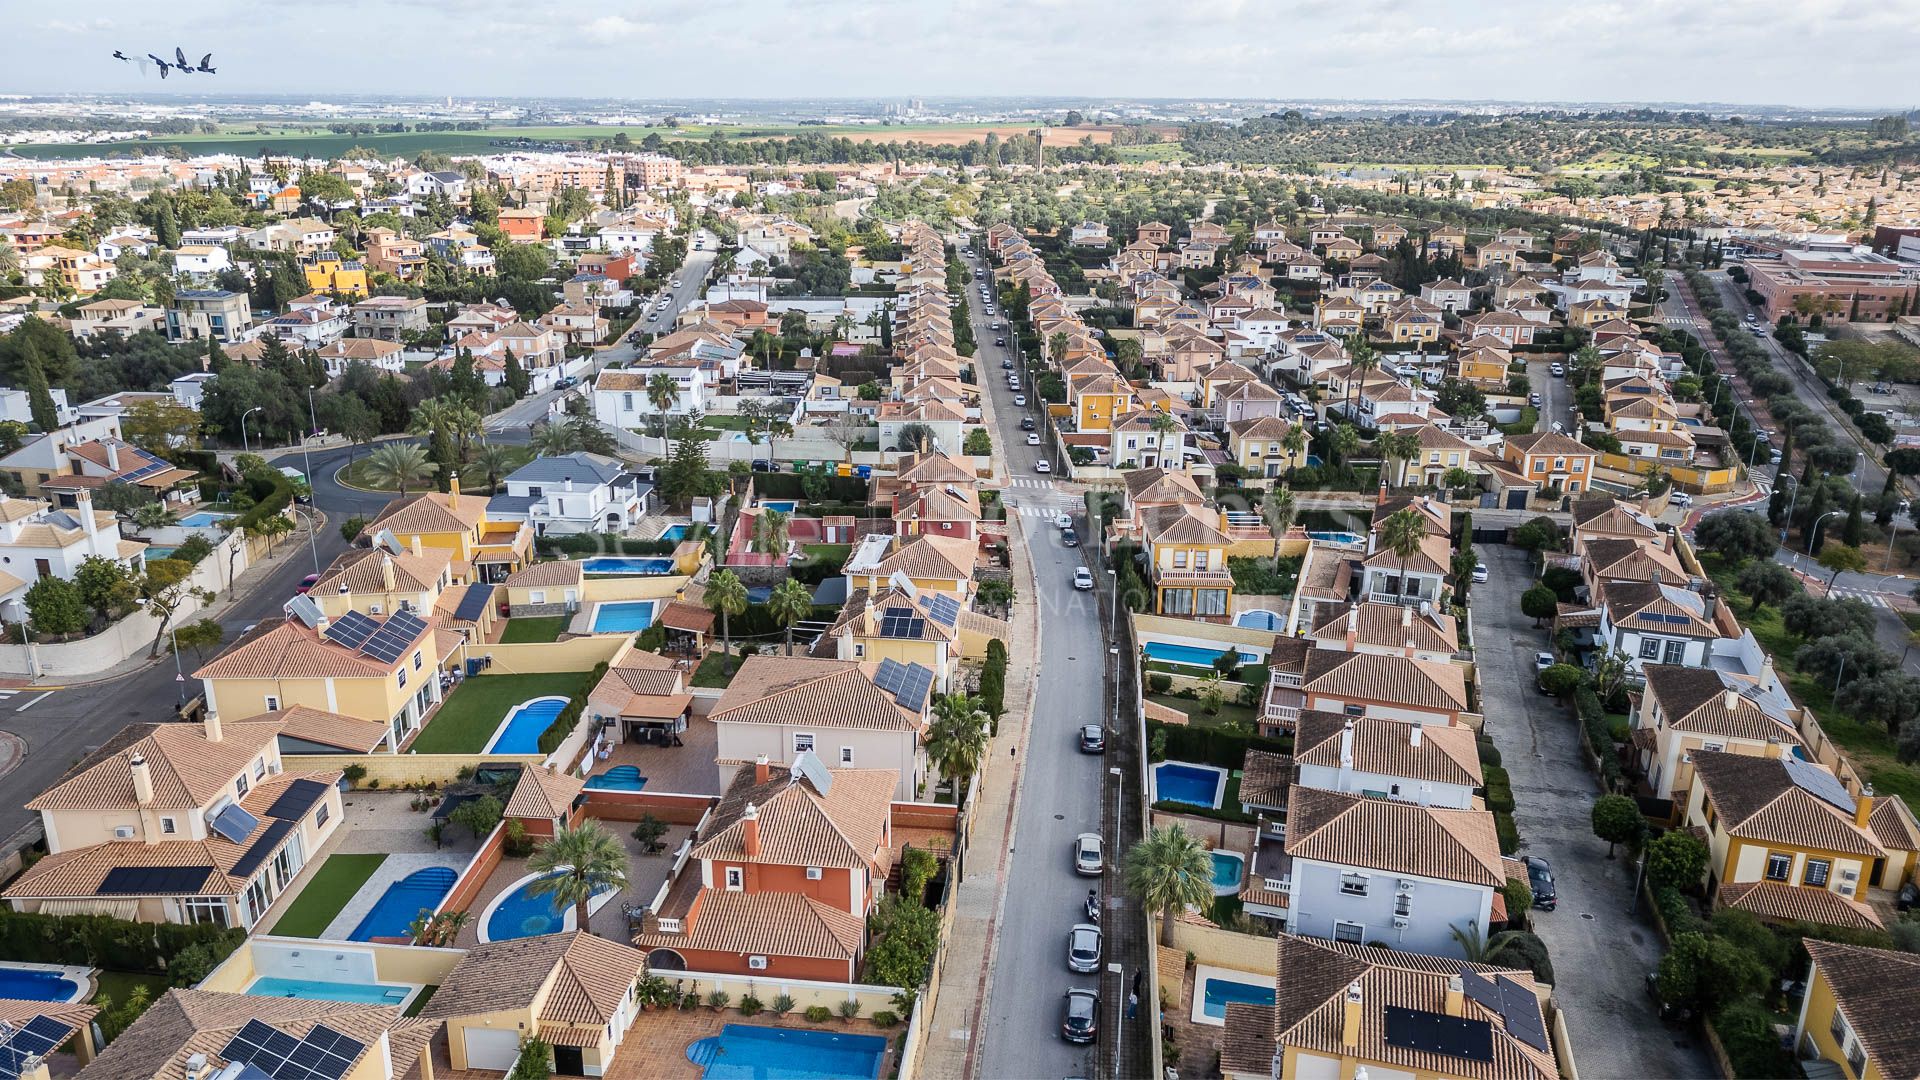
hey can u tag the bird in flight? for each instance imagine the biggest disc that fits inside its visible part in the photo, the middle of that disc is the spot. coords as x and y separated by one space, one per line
163 64
180 58
206 64
123 57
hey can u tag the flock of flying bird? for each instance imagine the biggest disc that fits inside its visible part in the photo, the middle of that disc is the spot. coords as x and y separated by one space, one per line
178 63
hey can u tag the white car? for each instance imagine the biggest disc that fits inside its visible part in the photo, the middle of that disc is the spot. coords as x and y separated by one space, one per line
676 283
1479 572
1087 859
1020 399
1680 498
1033 438
1043 466
1063 521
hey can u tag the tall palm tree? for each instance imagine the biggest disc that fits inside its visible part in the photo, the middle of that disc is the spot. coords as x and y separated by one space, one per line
577 863
1397 447
494 460
553 440
662 392
727 596
155 515
1278 511
957 738
400 466
1342 441
466 425
1362 359
1164 424
1167 871
790 603
772 531
1402 534
1295 444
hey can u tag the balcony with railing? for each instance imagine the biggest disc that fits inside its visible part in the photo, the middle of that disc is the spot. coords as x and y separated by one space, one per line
1284 702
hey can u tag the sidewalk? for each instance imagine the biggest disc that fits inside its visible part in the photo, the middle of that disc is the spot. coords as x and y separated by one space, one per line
960 997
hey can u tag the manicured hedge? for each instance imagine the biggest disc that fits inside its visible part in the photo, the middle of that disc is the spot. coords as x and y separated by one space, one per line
107 942
603 544
569 717
1214 746
791 485
272 493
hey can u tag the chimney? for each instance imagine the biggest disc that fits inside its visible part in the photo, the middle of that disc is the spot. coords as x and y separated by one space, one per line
566 483
386 572
211 726
1456 998
1656 575
1413 736
83 509
762 772
1353 627
320 625
1381 498
1731 699
453 490
1350 1019
414 543
1863 807
142 779
750 826
1346 745
113 457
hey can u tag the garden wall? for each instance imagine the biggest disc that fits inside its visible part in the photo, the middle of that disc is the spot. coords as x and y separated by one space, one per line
1188 632
395 769
662 587
805 993
574 655
473 879
674 809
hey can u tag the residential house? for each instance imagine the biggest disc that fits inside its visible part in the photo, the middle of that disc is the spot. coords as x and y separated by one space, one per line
1553 462
200 263
1090 234
571 494
1400 688
1386 629
523 226
1683 710
390 318
1342 1009
1483 365
1155 233
485 549
1857 1015
389 252
327 272
1258 445
1505 325
1447 294
193 1032
789 864
463 249
116 318
787 706
380 580
38 539
933 563
198 314
376 353
642 693
1187 553
302 236
1386 759
310 325
574 991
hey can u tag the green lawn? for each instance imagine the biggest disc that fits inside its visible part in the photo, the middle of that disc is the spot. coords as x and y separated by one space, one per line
469 716
716 670
326 893
534 630
830 554
1229 712
119 985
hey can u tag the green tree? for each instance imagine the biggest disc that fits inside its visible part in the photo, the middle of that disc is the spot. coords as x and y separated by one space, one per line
1277 512
790 603
1560 680
1167 871
957 738
1617 820
516 376
400 466
727 596
1766 583
39 395
1841 559
1736 535
351 528
578 862
1539 603
495 461
105 585
55 606
164 589
1706 972
1540 534
978 443
662 392
198 637
1676 860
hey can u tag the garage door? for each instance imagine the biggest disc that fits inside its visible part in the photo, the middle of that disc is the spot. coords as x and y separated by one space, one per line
489 1048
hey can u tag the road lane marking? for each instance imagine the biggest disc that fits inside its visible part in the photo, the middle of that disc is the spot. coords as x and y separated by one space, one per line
44 694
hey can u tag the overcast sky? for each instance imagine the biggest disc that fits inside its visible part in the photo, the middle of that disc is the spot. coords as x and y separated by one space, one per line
1793 52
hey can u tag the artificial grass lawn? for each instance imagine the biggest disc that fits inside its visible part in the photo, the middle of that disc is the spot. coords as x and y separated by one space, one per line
534 630
420 1001
1229 712
716 670
326 893
119 985
469 716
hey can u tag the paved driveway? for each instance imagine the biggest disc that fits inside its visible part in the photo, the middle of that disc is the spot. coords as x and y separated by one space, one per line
1600 954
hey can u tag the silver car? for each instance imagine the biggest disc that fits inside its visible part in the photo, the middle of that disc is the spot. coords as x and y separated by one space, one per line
1083 948
1087 860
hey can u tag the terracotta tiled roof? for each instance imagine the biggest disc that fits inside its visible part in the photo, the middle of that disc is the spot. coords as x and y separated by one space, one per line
1548 442
934 468
1161 485
546 574
1704 701
681 615
1353 830
1798 903
767 924
1389 626
361 570
940 557
1650 605
430 512
1265 778
1398 679
797 690
1446 755
1183 524
587 974
187 1022
1260 427
326 728
1874 990
1756 799
544 794
639 675
1631 560
289 649
188 771
799 826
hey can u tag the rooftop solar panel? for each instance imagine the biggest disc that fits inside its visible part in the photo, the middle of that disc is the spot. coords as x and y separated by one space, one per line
1521 1010
944 610
235 823
1438 1033
351 630
259 850
814 772
297 799
153 880
1818 783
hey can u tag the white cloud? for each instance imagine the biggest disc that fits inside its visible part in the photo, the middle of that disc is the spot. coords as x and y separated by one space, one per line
77 26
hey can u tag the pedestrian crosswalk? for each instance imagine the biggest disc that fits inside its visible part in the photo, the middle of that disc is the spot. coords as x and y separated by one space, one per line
1038 511
1031 482
1873 598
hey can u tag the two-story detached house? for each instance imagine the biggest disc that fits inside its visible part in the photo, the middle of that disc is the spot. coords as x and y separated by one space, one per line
1425 764
793 859
572 493
837 709
485 548
1367 869
1859 1009
1686 710
179 823
1399 688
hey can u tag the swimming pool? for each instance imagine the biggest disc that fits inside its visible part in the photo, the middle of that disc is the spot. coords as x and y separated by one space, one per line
1337 537
520 732
1220 987
618 778
1195 785
1192 655
675 533
1258 619
39 982
518 913
752 1052
201 519
619 564
403 901
1226 872
316 990
153 553
785 506
624 616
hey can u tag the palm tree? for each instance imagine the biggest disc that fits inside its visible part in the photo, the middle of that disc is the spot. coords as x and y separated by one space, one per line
1164 424
1397 446
155 515
1342 441
772 531
1402 533
1295 444
726 595
465 425
400 466
914 437
1167 871
662 392
790 603
1278 512
577 863
1474 951
553 440
494 460
957 738
1362 359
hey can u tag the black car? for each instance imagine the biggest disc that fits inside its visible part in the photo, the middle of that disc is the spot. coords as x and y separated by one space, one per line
1026 423
1540 879
765 466
1069 538
1093 739
1080 1016
1007 364
999 341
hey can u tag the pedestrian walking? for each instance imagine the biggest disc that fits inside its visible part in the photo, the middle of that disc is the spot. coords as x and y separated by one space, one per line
1133 1004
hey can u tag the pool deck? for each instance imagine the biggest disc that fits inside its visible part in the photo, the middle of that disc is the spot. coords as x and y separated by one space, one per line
656 1045
396 867
645 875
686 770
1198 1042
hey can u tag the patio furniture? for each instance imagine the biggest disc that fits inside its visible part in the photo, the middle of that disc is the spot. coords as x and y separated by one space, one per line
636 915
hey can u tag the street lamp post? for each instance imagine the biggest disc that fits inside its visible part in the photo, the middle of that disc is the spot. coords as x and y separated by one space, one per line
1813 537
179 676
244 447
1792 502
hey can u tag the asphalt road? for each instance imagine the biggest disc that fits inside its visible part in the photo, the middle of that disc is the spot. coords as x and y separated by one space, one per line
1061 787
693 284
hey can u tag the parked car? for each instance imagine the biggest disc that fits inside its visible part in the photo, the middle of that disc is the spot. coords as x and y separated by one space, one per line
1533 400
765 466
1083 948
1087 859
1007 364
1043 466
1559 370
1679 498
1479 572
1093 739
1080 1016
1082 578
1020 400
1540 879
1542 661
1033 438
1026 423
999 341
1063 521
1069 538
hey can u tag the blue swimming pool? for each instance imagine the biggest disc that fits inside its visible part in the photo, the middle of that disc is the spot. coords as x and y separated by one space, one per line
785 506
519 913
153 553
1191 655
675 533
623 616
618 778
520 732
201 519
1219 993
403 902
34 984
620 564
1258 619
315 990
1195 785
1336 537
1226 872
752 1052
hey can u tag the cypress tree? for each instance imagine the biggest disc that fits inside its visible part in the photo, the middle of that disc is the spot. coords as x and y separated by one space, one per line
1855 529
39 396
